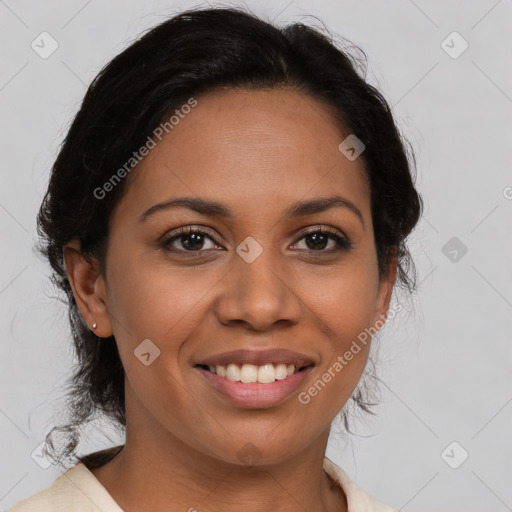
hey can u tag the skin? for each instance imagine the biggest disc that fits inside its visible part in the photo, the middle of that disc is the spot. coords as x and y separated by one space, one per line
256 152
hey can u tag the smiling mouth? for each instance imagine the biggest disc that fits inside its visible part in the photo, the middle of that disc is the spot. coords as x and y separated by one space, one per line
250 373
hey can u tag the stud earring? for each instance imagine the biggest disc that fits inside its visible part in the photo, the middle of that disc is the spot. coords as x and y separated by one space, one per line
94 325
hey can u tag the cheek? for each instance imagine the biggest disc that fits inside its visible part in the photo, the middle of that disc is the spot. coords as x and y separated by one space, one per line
344 297
156 300
154 310
344 310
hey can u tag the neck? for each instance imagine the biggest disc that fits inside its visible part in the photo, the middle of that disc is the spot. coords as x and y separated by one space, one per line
155 469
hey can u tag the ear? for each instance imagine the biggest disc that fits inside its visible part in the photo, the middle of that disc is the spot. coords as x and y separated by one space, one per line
89 289
386 285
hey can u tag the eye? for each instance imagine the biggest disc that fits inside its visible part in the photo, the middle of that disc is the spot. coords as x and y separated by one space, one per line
318 239
190 239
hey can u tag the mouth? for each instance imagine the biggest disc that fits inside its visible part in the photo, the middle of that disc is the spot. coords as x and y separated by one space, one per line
254 394
250 373
256 378
257 366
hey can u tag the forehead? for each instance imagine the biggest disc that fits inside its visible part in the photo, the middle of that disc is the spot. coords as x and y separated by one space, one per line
250 149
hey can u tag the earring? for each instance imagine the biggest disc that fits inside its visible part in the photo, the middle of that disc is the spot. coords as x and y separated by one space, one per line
94 325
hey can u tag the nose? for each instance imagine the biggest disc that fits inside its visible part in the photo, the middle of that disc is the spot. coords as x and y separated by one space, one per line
259 295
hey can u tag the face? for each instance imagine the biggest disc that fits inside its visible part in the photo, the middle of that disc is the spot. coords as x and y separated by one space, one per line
260 271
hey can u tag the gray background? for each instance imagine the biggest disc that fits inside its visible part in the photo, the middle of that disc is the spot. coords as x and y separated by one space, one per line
445 358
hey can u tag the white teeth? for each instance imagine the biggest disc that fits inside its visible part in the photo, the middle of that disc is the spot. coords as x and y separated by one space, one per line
281 372
266 374
233 372
250 373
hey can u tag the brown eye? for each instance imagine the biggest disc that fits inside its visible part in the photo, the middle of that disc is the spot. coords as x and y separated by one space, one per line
319 239
189 240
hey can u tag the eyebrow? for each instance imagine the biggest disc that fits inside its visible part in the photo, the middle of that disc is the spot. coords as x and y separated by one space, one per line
216 209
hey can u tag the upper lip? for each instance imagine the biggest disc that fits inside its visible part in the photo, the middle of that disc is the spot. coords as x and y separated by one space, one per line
259 358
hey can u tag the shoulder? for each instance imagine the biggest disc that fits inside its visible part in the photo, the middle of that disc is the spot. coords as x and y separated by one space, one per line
76 490
357 499
62 493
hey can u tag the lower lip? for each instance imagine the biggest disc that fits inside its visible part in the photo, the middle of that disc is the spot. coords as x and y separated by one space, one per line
256 395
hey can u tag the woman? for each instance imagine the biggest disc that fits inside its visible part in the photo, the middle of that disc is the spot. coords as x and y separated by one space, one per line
228 217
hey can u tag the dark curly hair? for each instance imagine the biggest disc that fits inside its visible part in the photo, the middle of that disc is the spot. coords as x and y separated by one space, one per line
193 52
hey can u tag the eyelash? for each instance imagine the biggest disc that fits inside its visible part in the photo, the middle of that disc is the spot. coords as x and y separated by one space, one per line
343 243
